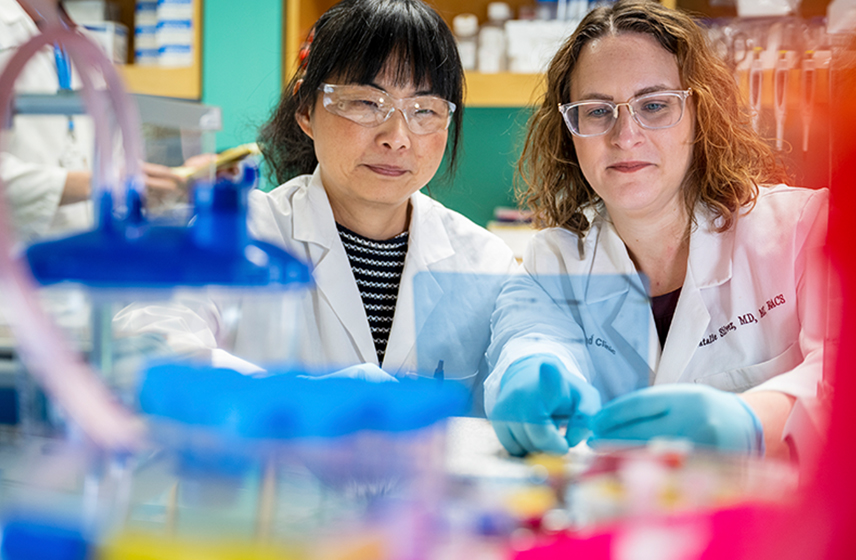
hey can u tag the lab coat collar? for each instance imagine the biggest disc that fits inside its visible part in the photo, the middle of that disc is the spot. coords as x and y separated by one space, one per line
313 217
610 258
710 252
708 266
427 231
313 223
709 256
428 246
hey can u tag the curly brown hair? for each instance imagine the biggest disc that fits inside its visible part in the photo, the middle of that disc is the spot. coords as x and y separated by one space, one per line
729 158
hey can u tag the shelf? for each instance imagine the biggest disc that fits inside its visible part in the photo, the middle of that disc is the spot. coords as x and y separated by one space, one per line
182 83
483 90
503 90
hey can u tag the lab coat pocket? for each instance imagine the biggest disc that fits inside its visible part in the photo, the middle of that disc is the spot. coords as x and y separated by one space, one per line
740 379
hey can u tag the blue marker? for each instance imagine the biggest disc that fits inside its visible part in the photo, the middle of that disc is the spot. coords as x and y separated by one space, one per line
438 373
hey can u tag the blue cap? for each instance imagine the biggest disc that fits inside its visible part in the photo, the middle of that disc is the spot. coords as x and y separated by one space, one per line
30 539
130 252
287 405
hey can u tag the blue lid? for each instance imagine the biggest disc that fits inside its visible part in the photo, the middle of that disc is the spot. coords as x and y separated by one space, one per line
130 252
288 405
41 539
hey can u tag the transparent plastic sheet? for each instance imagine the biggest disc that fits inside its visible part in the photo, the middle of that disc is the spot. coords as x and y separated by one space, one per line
368 489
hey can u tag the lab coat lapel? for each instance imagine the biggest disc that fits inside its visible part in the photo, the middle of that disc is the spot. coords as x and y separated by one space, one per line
615 287
314 224
428 245
708 266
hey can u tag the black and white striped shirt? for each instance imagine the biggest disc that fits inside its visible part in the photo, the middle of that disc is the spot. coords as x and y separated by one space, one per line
377 267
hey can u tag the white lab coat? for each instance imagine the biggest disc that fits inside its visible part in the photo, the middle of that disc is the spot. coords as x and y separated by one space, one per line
30 162
747 316
452 275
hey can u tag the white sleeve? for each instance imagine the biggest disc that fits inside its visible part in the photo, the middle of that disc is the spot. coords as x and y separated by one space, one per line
532 316
33 193
190 324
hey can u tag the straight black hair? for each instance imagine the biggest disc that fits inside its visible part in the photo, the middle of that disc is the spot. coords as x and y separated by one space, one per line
352 43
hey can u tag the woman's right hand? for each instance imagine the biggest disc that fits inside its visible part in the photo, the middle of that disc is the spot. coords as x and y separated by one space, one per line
537 396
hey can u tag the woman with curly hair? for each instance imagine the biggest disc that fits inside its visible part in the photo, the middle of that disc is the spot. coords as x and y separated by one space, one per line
672 281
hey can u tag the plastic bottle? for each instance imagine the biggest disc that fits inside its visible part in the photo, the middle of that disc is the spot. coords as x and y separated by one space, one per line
492 39
546 9
466 28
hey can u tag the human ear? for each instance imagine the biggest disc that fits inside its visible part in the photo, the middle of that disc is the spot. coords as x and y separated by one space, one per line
304 122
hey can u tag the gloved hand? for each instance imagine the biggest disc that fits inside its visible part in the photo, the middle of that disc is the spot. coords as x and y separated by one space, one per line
700 413
536 396
367 372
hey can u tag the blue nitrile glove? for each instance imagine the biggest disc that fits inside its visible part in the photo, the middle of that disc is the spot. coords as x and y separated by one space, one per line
700 413
536 396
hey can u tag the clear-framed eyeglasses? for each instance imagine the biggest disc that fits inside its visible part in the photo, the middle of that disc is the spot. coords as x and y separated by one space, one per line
654 111
370 106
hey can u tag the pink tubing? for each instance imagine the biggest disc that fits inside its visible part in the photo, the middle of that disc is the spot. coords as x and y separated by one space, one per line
67 380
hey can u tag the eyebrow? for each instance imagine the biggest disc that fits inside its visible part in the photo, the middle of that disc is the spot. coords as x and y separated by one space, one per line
415 94
643 91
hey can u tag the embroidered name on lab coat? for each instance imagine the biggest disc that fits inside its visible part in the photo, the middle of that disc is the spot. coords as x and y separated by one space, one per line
743 320
600 343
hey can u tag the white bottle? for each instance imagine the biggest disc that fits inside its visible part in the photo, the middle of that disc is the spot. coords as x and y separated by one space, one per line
466 28
492 39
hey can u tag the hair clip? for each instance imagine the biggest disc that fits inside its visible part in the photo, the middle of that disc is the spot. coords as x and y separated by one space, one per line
303 53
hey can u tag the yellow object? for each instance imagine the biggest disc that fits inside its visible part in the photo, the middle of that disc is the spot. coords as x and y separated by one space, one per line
223 159
141 546
531 502
148 546
553 464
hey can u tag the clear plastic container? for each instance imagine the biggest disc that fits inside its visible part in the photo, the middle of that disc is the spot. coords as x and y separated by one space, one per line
492 54
466 28
351 480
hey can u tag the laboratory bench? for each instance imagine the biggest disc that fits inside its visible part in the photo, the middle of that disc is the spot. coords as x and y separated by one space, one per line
447 491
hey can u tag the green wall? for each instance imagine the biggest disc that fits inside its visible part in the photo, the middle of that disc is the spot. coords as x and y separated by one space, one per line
241 64
242 74
492 140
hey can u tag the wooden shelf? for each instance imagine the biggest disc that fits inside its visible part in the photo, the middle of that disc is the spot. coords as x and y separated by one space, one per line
503 90
483 90
182 83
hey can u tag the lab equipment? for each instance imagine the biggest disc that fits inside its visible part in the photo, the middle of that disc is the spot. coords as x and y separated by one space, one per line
704 415
70 383
756 82
492 54
807 90
145 33
466 28
537 395
131 265
781 74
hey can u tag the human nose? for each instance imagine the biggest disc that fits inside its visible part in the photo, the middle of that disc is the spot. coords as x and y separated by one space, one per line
626 131
395 132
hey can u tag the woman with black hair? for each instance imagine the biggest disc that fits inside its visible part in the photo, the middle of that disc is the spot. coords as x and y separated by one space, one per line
402 283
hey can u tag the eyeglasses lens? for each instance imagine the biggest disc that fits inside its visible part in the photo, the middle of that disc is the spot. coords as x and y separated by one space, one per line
370 107
655 111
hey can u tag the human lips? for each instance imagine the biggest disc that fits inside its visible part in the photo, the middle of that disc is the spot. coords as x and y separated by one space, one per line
629 166
387 170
